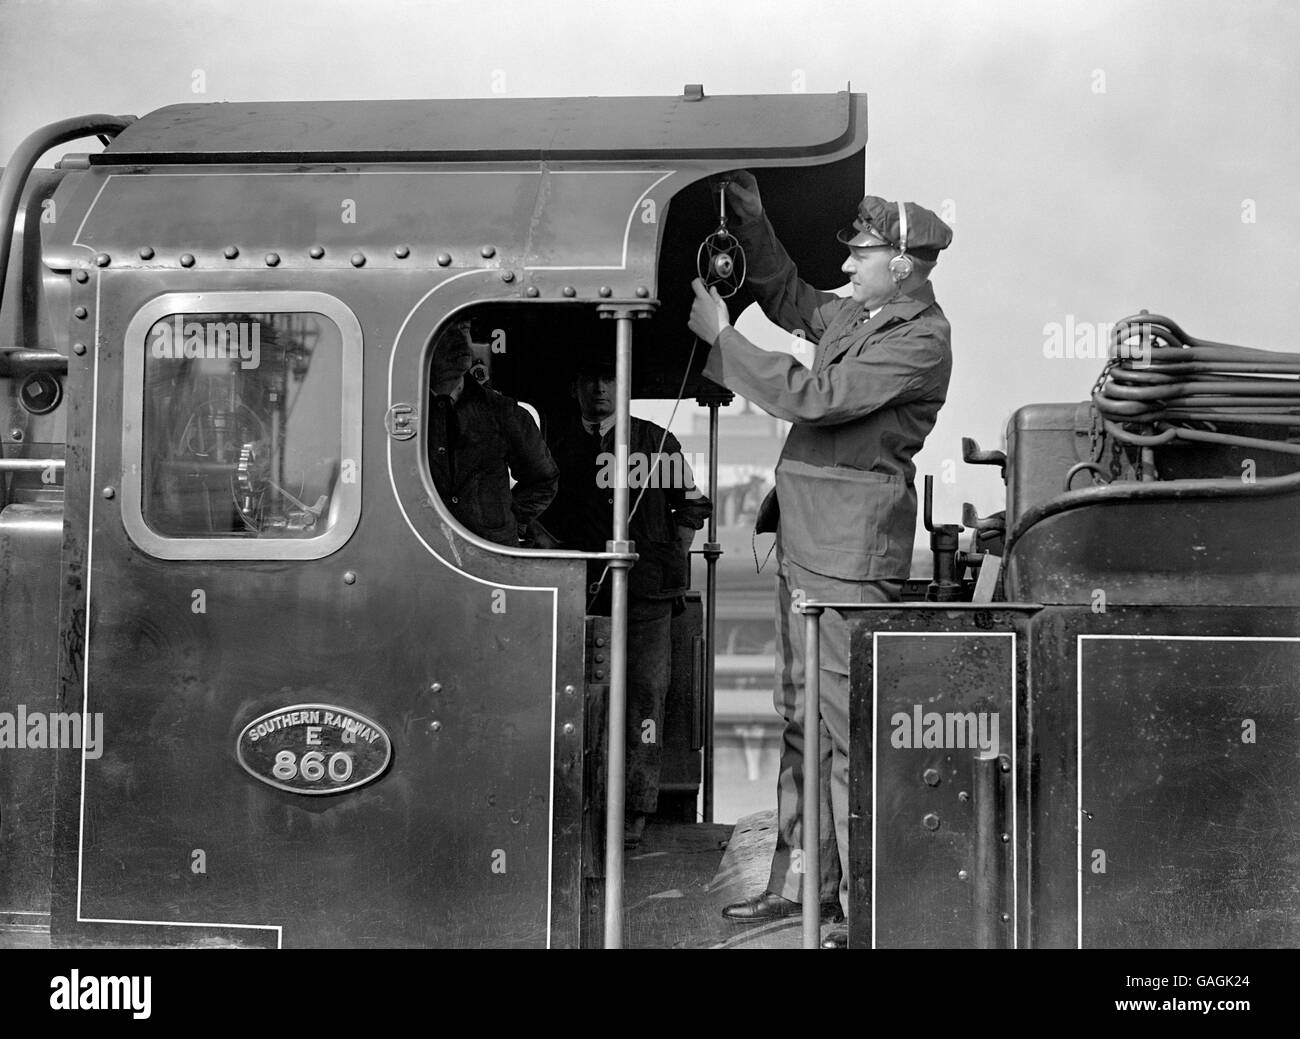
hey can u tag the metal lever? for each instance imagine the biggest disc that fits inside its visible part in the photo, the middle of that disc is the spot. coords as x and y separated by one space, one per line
943 544
997 522
971 452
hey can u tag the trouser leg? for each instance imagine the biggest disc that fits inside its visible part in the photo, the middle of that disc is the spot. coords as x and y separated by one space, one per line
834 714
649 651
834 700
787 861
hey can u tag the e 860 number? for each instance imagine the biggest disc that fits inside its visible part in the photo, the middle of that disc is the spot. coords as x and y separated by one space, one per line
314 766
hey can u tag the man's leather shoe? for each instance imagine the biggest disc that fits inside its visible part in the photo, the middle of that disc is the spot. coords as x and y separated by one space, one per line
633 829
836 938
770 906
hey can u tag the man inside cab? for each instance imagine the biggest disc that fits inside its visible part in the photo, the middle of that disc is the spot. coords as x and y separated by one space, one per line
665 511
478 440
844 482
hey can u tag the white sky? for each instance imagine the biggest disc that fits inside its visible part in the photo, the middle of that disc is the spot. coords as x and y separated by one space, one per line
1070 203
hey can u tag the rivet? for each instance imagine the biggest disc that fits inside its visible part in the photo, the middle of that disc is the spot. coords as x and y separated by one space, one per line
930 821
1006 918
16 434
316 252
568 728
78 348
507 276
600 642
487 252
82 276
642 292
963 875
402 252
231 251
570 690
108 492
435 726
80 312
436 687
931 777
570 291
532 292
1005 762
358 259
349 577
600 674
187 260
102 259
272 259
444 259
515 816
1006 838
600 658
146 253
606 291
963 797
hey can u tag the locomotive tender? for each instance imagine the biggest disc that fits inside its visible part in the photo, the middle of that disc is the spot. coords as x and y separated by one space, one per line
287 700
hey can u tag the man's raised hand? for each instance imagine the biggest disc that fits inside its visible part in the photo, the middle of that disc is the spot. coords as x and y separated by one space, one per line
709 314
743 199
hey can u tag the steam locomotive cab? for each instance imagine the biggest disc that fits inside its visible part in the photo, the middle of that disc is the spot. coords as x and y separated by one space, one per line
329 714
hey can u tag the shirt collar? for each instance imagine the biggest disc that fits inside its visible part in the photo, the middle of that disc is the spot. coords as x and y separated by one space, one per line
606 425
907 304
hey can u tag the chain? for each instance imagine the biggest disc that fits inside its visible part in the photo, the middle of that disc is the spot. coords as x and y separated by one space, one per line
1096 445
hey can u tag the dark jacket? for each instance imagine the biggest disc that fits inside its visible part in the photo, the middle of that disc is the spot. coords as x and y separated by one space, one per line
582 515
844 481
474 449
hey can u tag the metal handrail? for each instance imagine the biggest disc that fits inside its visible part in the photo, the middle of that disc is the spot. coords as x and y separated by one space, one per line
810 810
616 763
31 148
31 465
712 551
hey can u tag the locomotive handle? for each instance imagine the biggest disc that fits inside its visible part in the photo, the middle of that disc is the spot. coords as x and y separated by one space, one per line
986 891
31 148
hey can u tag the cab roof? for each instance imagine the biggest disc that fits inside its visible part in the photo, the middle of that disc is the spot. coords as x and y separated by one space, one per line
744 127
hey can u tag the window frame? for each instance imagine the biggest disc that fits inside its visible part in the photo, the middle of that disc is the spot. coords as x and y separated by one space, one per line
348 495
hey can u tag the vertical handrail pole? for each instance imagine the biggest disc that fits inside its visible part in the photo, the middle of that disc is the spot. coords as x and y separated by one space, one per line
810 821
616 787
712 550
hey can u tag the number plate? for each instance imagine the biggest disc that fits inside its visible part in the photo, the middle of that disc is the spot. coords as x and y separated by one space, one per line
314 748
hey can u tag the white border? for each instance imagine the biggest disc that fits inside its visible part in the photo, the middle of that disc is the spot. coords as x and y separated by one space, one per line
1078 813
875 814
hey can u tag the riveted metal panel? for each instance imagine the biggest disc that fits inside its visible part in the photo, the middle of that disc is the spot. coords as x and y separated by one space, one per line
935 771
465 657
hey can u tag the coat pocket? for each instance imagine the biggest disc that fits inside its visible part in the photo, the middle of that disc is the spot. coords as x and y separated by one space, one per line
837 520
